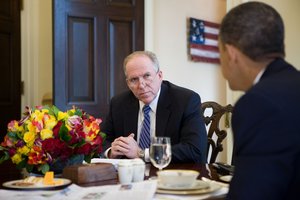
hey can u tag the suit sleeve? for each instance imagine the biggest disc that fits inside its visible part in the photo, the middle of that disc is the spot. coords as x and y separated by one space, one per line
192 146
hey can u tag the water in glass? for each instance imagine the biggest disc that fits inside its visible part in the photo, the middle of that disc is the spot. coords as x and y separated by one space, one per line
160 152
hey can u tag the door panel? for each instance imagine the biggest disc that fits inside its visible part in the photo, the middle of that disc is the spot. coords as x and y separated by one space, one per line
119 49
80 81
10 66
10 63
91 39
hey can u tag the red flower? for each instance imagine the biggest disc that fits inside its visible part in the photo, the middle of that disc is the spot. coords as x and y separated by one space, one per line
85 149
56 129
37 156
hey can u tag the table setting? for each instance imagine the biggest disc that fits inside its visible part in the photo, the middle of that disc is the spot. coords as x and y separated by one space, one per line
94 178
147 189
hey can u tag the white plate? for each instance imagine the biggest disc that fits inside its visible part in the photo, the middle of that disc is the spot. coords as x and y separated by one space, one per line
226 178
197 186
35 186
212 187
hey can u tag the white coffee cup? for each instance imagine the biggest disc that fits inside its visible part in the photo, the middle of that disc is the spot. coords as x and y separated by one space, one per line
125 172
138 170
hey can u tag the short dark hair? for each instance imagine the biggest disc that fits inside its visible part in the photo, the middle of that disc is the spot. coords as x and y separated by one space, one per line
255 28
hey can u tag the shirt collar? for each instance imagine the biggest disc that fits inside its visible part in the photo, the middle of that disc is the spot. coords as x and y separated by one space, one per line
153 104
259 75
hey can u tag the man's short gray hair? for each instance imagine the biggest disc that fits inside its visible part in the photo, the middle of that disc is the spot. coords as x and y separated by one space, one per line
149 54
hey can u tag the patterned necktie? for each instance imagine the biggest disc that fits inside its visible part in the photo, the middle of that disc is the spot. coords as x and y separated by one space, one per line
145 131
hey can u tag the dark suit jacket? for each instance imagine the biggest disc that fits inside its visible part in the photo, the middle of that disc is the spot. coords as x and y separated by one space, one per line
178 116
266 127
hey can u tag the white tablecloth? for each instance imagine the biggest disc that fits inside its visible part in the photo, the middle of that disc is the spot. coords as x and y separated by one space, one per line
144 190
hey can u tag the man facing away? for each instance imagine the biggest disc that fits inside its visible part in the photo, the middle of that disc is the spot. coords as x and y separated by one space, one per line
174 112
266 119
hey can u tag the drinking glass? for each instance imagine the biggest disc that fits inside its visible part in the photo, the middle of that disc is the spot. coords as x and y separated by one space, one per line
160 152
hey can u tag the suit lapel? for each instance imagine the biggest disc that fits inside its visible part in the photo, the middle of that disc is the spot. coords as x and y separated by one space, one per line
131 117
163 111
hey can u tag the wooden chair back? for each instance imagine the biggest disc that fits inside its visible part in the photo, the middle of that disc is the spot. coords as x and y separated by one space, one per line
215 134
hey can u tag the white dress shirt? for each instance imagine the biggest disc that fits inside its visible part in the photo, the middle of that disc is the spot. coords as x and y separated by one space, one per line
152 113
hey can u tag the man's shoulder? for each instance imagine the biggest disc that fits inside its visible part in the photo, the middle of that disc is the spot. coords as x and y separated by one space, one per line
173 88
177 94
123 96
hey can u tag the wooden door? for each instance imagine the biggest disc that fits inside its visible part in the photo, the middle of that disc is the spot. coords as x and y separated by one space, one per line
91 39
10 63
10 66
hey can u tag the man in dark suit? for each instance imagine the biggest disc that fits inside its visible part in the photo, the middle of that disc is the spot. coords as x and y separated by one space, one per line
266 119
175 113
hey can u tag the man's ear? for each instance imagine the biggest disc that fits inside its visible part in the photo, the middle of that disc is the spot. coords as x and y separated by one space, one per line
232 52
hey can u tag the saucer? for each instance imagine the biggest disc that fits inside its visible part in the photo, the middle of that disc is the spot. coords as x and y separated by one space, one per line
198 185
211 188
20 185
226 178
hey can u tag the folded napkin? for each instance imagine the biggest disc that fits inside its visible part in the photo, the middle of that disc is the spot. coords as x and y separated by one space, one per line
138 191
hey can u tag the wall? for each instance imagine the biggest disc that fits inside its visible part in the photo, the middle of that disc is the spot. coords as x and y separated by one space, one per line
289 11
36 53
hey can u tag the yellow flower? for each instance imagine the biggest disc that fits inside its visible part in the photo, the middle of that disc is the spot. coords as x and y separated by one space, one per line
71 111
20 128
30 126
37 115
45 110
16 158
29 137
14 126
62 115
68 127
50 122
46 133
24 150
90 138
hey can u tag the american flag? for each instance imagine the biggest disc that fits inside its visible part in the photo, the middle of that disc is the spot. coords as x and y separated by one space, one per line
203 40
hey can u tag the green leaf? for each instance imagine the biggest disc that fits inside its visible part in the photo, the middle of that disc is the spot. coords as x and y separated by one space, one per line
12 135
88 158
2 148
5 155
47 107
103 135
64 133
20 135
78 112
22 164
55 111
29 168
44 168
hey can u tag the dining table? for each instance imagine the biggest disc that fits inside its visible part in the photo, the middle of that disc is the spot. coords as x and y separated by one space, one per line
205 170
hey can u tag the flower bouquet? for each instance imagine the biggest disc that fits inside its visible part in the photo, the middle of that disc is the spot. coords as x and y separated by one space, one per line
47 137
